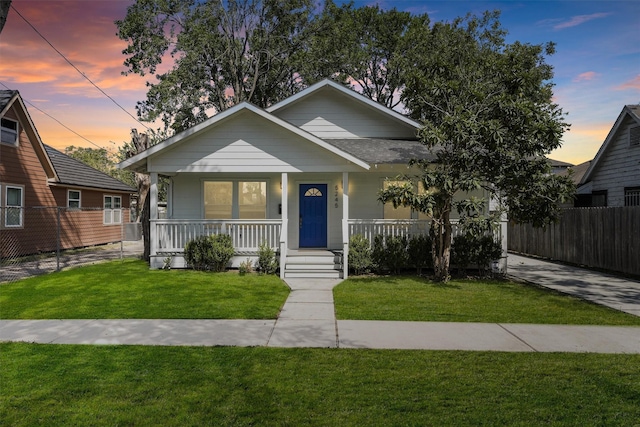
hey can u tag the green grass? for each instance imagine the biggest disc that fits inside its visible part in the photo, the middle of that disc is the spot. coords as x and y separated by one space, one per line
417 299
45 385
129 290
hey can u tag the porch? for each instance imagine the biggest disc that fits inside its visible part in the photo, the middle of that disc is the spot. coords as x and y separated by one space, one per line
171 236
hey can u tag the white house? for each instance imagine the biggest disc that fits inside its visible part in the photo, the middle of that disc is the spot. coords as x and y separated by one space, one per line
613 177
302 175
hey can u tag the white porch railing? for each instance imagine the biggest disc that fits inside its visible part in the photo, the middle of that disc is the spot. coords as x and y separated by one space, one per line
370 228
246 235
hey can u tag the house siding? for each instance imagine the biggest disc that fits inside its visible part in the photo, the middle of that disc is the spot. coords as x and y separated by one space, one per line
247 143
619 167
331 114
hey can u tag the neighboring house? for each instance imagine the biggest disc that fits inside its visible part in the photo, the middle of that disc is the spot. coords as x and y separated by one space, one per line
559 167
613 177
36 180
302 176
577 173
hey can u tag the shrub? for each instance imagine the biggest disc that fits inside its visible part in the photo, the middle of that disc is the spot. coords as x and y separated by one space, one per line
246 267
478 251
267 262
359 254
419 251
209 252
378 254
396 253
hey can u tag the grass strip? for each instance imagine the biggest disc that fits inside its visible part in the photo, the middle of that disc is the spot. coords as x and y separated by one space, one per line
494 301
44 385
129 290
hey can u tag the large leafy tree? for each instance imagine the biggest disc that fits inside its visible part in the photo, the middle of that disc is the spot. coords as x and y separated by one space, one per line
362 47
221 52
489 117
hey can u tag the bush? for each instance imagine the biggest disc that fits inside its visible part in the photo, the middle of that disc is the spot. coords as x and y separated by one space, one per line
471 250
246 267
359 254
419 250
267 262
397 256
378 254
209 252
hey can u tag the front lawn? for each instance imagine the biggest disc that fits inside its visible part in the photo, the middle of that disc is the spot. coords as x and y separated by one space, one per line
493 301
45 385
129 290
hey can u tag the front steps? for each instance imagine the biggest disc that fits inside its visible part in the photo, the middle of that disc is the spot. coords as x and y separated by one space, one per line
313 263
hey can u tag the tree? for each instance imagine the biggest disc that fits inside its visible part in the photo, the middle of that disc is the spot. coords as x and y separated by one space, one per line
223 53
361 46
488 115
5 5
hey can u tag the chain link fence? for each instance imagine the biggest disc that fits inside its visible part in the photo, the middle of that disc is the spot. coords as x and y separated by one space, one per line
38 240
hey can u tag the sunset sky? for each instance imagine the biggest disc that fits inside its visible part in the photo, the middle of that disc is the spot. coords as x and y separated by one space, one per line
597 64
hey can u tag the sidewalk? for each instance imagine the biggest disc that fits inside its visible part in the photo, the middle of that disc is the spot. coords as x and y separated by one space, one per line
600 288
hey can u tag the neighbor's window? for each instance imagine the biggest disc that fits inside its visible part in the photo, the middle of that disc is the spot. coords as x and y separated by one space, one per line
218 199
112 210
599 198
252 200
73 199
14 203
9 131
632 196
401 212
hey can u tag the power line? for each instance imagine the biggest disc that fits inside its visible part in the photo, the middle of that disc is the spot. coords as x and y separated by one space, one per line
76 68
58 121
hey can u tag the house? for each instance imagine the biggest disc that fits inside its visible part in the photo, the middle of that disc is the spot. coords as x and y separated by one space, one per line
558 167
613 176
302 176
49 201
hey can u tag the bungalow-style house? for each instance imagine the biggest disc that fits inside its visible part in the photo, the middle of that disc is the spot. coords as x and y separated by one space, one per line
302 176
47 197
613 176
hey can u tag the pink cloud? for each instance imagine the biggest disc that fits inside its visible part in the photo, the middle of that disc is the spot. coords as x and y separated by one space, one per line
586 77
578 20
634 83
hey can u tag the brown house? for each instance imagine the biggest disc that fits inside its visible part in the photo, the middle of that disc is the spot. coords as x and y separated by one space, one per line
49 201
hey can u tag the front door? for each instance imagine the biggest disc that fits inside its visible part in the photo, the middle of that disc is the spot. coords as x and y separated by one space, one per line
313 215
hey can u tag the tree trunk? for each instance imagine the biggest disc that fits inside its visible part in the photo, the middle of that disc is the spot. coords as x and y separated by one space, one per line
146 228
441 246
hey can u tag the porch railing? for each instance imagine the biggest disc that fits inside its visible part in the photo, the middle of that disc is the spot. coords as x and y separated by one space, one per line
370 228
246 235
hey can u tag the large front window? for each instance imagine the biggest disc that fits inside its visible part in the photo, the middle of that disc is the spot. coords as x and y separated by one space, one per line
235 200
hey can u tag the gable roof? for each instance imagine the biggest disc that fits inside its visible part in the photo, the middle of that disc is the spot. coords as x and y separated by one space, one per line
328 83
138 162
12 98
578 171
633 111
75 173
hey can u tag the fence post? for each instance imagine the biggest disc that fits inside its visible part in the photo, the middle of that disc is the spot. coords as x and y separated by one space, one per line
58 238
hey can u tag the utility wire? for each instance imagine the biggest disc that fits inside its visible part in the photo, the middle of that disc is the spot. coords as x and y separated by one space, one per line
76 68
58 121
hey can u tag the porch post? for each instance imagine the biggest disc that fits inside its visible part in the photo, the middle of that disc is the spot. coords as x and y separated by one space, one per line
153 213
284 240
345 224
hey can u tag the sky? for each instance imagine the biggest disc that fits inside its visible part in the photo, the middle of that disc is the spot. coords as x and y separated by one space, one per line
596 65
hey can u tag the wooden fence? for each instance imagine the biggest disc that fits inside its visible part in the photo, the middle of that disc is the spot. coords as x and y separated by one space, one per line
604 238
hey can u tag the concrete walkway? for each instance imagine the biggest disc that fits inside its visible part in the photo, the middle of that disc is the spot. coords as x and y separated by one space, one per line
615 292
308 319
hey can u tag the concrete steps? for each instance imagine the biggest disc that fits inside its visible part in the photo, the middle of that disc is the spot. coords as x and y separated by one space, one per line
313 264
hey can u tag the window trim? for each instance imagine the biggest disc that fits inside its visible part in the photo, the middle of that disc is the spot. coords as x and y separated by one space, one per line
69 199
5 205
112 210
15 132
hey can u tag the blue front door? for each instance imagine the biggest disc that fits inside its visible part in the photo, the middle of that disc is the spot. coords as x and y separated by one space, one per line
313 215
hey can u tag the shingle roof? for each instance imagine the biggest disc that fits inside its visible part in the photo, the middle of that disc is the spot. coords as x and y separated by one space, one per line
73 172
381 151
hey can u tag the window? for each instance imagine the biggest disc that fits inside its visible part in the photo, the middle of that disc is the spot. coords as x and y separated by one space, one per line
235 199
634 136
14 203
599 198
9 131
632 196
112 210
73 199
401 212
